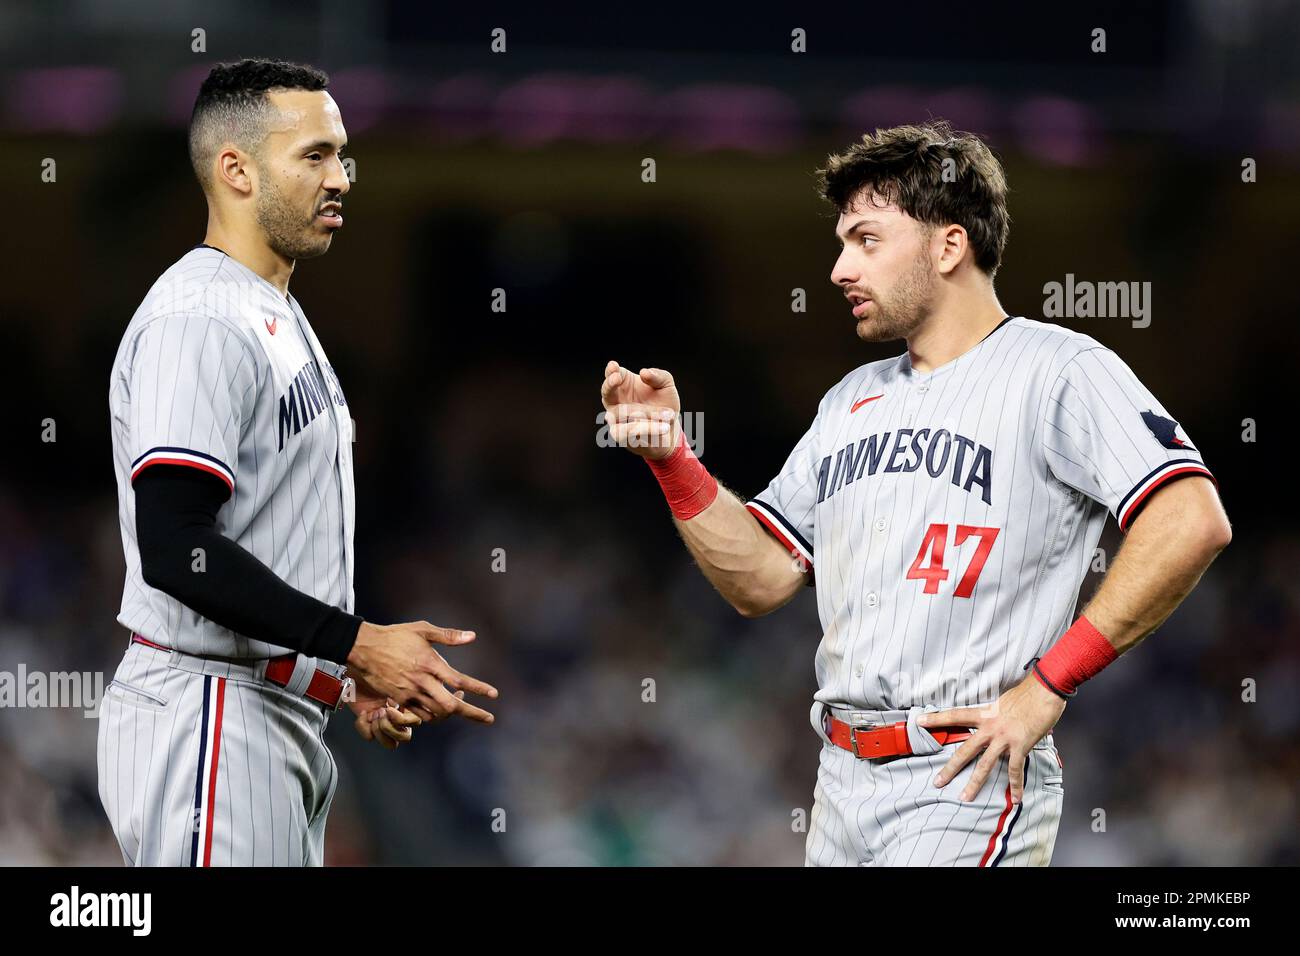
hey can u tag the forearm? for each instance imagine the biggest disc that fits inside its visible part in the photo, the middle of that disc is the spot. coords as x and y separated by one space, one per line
239 592
175 523
1167 550
749 568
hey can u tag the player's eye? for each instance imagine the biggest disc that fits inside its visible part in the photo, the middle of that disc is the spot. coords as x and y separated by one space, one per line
314 157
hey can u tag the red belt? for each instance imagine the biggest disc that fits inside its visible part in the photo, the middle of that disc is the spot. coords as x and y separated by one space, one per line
887 741
324 687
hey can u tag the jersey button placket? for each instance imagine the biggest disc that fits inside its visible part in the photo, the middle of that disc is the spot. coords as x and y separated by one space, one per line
909 413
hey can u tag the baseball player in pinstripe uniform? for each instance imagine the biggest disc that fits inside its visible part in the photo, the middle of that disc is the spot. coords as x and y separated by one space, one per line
947 503
232 445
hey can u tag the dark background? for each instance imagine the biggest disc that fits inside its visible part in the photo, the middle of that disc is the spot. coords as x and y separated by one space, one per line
477 430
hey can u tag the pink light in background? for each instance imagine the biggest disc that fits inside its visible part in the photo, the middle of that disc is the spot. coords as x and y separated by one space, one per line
75 99
551 106
883 107
462 106
1282 126
616 109
1056 130
538 110
966 108
730 116
362 95
184 88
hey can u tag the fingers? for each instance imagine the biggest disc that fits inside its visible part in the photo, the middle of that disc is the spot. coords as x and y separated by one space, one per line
425 700
387 726
393 724
456 704
441 703
616 377
442 635
987 764
1016 771
957 717
365 727
641 434
400 718
633 425
381 738
429 699
656 378
458 681
428 716
638 412
613 379
965 753
423 712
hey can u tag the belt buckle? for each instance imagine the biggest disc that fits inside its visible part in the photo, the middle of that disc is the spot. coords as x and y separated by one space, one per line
853 741
347 693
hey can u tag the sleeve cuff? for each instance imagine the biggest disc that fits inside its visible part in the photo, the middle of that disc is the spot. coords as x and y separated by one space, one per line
335 637
186 457
1133 502
782 530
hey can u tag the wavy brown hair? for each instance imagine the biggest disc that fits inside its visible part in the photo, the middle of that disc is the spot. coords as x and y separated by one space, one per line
933 174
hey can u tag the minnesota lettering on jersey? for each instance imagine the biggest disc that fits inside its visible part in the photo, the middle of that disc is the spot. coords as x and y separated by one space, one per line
910 450
305 399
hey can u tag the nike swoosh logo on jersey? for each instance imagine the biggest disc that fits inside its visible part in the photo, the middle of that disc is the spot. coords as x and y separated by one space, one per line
270 326
872 398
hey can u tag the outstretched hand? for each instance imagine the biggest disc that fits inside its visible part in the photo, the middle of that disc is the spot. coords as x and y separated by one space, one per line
398 662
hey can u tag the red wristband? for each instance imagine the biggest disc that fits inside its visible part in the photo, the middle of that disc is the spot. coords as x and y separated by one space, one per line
1080 653
686 483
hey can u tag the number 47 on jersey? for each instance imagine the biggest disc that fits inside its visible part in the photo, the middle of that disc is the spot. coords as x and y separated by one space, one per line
936 540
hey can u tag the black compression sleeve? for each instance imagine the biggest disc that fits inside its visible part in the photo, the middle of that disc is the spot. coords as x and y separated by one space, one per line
176 512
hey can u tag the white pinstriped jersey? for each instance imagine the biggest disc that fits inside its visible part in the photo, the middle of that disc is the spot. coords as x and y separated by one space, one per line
219 371
950 516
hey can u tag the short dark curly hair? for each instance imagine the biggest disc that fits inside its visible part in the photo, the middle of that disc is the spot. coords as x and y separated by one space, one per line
232 106
933 174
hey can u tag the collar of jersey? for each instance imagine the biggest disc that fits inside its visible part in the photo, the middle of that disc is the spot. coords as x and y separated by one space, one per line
288 296
905 360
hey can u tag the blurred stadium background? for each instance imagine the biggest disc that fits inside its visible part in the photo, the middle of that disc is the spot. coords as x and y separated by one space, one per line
522 171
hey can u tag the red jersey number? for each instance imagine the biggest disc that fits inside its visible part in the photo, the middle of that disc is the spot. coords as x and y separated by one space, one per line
936 539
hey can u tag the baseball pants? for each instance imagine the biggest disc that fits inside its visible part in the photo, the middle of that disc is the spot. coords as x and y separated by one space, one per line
204 763
887 812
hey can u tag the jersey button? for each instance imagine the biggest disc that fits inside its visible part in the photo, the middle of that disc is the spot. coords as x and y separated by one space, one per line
857 671
881 524
872 599
923 388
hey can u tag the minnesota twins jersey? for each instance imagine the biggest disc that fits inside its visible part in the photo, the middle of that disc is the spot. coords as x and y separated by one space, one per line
949 516
218 371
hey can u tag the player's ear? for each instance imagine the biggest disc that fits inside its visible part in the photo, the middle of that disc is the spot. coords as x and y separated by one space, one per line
232 169
949 243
